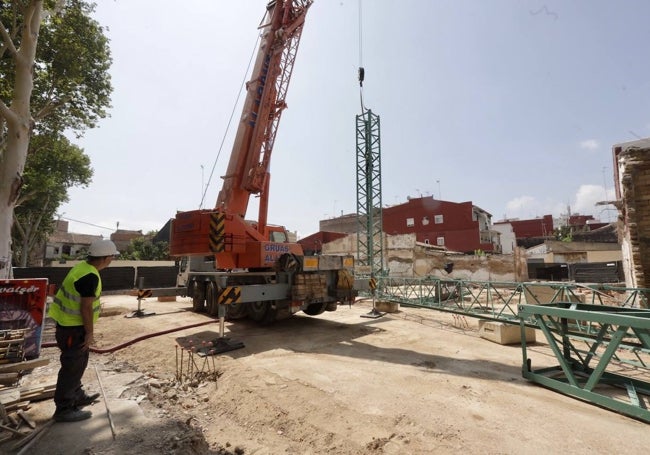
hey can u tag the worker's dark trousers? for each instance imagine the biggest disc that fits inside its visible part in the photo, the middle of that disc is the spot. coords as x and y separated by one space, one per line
74 361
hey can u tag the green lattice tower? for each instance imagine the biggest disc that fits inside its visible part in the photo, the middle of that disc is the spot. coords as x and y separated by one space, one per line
369 229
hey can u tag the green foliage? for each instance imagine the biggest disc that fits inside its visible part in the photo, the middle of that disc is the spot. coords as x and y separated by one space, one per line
72 85
72 76
53 166
563 233
143 249
71 92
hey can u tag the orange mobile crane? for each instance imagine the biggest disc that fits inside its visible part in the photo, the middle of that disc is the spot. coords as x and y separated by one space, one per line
249 268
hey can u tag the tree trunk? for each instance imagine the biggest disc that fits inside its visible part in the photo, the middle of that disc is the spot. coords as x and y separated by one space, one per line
18 126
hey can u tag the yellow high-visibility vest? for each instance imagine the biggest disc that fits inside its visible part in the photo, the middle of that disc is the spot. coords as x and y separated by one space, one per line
66 306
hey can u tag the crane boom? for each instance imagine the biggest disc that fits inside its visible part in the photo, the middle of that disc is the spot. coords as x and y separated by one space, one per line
224 231
248 169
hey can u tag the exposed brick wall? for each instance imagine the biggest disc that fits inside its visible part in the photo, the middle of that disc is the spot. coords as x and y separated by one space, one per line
634 180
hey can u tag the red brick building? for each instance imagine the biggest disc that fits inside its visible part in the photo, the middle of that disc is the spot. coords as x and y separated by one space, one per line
313 244
584 223
460 226
122 238
537 227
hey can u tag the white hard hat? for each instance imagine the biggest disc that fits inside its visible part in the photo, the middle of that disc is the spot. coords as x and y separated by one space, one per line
101 248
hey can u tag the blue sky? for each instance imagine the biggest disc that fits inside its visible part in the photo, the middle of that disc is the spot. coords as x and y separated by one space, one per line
513 105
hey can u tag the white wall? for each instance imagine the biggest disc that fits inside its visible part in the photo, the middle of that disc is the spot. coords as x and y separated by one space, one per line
508 239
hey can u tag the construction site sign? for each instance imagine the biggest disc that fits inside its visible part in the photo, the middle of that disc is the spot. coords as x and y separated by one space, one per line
22 310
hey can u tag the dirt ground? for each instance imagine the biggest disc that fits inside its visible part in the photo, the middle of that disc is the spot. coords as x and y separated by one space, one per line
413 382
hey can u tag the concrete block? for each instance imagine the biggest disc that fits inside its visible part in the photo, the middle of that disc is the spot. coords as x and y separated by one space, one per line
386 307
326 262
502 333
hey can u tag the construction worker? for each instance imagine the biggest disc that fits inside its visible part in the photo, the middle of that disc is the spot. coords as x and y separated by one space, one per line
75 310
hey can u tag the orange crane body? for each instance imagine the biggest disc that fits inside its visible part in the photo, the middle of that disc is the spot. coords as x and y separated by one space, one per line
241 268
224 232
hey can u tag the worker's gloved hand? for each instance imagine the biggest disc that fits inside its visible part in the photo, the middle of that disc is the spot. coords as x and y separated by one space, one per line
89 340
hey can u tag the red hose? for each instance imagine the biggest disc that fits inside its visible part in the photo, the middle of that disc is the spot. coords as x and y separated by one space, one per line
135 340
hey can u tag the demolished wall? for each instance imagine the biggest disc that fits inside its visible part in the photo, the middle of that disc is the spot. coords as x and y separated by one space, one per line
632 160
404 257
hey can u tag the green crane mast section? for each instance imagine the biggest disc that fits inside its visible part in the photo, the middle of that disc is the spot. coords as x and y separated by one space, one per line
369 228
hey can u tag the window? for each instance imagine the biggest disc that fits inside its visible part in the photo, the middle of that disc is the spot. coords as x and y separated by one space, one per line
425 220
426 241
410 222
440 241
438 219
278 236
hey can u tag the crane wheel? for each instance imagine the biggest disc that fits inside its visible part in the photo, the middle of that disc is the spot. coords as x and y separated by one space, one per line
197 292
289 262
314 309
257 310
236 311
262 312
211 299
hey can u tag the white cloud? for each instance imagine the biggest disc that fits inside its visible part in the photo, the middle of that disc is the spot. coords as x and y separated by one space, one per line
586 198
583 202
522 207
589 144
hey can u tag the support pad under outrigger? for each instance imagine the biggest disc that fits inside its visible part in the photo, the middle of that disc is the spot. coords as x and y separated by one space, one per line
142 294
222 343
374 313
140 313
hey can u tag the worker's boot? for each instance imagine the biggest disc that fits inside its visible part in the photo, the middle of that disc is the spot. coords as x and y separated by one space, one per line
85 400
71 415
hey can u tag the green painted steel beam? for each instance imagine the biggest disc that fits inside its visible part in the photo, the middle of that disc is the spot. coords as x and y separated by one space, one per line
574 375
589 340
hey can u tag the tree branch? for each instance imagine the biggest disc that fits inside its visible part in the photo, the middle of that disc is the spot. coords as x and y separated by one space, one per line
14 22
32 24
13 29
34 149
36 225
34 19
8 114
50 107
19 227
26 197
6 39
